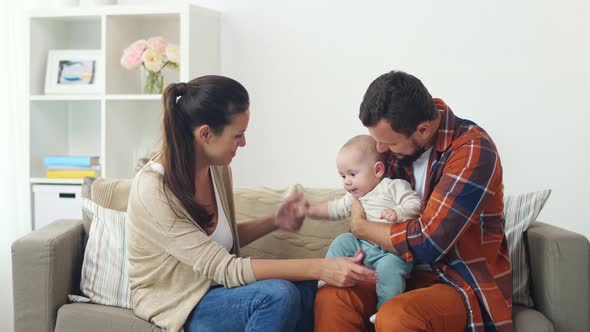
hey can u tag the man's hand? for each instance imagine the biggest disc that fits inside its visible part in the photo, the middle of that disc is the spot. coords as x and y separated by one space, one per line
389 215
291 213
358 218
374 232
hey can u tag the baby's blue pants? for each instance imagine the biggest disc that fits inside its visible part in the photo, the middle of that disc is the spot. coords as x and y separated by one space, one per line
391 268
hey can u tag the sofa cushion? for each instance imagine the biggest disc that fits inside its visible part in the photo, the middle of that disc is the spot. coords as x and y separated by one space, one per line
311 241
530 320
104 277
520 212
88 317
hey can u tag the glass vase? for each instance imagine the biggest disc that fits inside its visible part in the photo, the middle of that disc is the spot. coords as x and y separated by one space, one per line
152 82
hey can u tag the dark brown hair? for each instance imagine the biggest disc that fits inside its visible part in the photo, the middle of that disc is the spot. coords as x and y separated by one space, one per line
207 100
399 98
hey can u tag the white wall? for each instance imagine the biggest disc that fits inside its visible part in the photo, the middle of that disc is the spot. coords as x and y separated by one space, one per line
11 147
520 69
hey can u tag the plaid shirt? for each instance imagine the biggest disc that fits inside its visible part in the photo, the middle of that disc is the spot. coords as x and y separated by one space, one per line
459 235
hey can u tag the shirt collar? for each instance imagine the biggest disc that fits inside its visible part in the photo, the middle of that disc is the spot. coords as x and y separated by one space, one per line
446 129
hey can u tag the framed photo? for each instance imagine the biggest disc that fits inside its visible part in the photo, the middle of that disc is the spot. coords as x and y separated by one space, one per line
73 71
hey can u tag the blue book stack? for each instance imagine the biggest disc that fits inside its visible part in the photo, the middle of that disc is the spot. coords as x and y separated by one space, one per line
71 167
82 161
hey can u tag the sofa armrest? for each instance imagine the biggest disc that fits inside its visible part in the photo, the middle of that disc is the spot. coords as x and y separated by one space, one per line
46 266
560 272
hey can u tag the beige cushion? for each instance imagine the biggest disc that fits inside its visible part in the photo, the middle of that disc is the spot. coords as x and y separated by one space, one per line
104 278
311 241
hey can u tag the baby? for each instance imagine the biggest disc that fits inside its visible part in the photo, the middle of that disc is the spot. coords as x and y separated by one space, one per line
362 169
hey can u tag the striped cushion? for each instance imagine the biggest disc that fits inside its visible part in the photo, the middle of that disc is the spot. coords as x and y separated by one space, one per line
520 212
104 277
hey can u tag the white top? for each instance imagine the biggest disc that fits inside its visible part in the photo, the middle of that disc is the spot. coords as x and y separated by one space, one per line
222 233
420 167
396 194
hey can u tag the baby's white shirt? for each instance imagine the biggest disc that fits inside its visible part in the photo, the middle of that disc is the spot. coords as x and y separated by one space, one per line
396 194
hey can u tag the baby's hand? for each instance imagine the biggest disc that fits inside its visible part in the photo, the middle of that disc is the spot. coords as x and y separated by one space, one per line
389 215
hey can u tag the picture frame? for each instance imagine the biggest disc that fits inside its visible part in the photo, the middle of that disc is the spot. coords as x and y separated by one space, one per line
74 71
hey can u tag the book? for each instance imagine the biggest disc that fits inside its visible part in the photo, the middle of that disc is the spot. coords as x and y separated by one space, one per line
67 167
70 173
71 160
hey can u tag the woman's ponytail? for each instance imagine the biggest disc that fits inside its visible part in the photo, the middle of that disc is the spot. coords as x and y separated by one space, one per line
179 157
208 100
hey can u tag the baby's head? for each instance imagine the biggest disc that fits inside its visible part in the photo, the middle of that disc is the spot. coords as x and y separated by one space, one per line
360 165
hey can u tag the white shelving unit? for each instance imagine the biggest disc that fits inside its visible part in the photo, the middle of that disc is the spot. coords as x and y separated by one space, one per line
119 124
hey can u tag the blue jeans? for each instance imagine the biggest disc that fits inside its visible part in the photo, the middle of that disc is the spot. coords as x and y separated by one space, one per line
266 305
391 268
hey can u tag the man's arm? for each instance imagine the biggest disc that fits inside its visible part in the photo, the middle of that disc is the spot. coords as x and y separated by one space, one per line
375 232
471 177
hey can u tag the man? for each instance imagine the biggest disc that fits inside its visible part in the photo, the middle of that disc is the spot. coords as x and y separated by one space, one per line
461 279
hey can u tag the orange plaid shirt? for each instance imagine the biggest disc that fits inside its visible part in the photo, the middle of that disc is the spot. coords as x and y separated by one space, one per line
459 235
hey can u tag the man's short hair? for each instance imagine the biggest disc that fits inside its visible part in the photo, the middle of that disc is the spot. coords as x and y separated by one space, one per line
399 98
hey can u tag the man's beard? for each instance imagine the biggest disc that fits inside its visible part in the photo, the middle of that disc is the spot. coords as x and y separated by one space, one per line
409 159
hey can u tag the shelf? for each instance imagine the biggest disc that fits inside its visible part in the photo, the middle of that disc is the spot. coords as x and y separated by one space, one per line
133 97
77 12
74 97
63 127
56 181
126 29
80 33
132 132
64 97
116 122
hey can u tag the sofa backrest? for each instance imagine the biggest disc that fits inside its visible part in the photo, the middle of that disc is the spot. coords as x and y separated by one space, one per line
311 241
109 193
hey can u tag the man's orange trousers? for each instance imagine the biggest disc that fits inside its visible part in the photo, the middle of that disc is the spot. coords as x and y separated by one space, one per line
430 306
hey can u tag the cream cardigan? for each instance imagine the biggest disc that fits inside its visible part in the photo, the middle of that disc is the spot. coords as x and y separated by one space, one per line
172 261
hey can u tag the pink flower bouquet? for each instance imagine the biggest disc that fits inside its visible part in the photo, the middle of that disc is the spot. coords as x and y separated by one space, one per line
152 55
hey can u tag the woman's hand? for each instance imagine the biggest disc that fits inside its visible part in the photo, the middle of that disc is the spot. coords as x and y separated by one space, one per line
291 213
346 271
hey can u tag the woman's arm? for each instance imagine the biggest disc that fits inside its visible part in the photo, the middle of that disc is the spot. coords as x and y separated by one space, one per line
255 229
289 217
337 271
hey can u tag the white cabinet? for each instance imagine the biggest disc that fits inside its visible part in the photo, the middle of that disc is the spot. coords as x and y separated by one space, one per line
52 202
117 123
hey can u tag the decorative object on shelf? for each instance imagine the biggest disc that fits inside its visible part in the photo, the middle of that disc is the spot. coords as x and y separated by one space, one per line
73 71
153 55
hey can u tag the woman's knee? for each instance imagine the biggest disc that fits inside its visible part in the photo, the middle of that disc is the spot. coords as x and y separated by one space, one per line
283 294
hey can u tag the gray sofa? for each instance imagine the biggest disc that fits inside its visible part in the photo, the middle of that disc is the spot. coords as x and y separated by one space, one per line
47 264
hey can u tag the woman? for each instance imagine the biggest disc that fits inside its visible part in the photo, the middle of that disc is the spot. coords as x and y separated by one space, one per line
182 238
